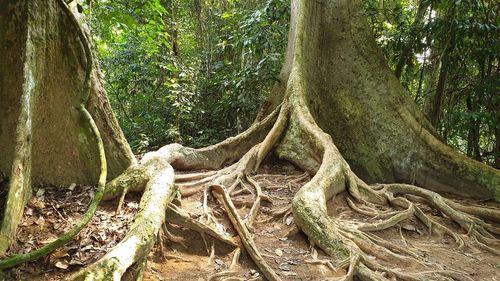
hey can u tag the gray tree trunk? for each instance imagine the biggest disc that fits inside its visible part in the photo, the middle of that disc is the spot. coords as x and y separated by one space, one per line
39 47
44 138
357 100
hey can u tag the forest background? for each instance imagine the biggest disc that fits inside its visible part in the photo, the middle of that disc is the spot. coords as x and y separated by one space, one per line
197 71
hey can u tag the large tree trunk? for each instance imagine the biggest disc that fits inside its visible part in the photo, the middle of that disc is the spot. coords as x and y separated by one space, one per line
335 90
38 38
43 136
336 100
355 98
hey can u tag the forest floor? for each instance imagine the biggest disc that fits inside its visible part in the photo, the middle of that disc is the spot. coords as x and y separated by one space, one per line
50 212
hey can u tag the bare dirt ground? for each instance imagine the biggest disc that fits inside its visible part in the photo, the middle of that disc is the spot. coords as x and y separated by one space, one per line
51 211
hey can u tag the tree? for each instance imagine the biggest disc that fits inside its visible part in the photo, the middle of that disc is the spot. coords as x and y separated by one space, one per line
46 73
445 73
408 48
337 106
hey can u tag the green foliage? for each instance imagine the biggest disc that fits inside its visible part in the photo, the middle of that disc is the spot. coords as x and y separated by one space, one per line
193 72
197 71
460 37
244 60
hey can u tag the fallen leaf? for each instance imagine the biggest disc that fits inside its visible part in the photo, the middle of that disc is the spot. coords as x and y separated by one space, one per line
278 252
61 265
47 240
59 254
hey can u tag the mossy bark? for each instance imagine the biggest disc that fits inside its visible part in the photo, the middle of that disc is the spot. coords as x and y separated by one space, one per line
336 99
355 98
38 35
46 75
346 104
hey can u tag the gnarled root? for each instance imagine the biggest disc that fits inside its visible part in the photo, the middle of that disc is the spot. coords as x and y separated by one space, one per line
349 241
343 239
353 245
181 217
156 175
142 235
246 238
295 136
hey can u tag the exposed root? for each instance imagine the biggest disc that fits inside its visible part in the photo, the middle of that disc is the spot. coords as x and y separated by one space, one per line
154 174
171 237
293 133
352 239
194 176
122 199
211 252
69 235
273 136
281 213
347 237
135 178
315 260
230 271
343 239
481 231
161 241
352 245
249 220
246 238
142 235
370 212
180 217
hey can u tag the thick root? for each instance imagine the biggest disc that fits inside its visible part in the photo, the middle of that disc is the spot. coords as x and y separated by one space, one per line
346 240
69 235
142 236
178 216
135 178
351 244
246 238
156 174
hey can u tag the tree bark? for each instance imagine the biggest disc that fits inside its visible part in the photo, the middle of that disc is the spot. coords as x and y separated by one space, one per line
37 37
354 97
337 106
45 75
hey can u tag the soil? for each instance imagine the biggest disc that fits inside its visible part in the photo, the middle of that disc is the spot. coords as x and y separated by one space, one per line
51 211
